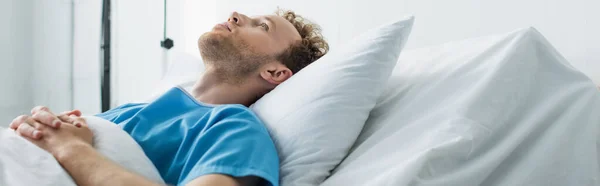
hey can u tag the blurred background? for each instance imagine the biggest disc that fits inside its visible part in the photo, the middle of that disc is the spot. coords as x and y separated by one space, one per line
51 49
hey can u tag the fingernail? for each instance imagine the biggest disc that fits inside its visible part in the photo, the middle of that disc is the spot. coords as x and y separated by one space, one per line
36 133
56 123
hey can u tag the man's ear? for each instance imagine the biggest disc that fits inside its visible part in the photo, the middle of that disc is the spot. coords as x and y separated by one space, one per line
276 73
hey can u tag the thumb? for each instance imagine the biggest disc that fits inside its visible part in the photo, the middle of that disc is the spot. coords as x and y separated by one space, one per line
65 118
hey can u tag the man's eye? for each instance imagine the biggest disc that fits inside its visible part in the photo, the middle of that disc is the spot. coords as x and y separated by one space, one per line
265 26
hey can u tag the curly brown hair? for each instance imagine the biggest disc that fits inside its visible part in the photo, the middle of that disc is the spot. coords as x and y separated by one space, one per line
312 47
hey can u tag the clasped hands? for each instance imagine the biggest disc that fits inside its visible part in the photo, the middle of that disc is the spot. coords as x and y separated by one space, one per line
58 134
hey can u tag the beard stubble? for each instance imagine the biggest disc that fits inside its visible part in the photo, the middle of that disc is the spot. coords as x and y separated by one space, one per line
234 60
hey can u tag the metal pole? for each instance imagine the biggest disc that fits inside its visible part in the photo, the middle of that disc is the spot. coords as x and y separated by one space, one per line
105 79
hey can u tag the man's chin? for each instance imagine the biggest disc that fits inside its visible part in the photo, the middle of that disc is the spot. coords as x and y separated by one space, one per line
210 38
215 46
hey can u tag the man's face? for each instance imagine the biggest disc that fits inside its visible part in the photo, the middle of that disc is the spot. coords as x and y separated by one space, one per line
242 44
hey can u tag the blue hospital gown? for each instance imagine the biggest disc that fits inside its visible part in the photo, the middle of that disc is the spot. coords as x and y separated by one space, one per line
186 139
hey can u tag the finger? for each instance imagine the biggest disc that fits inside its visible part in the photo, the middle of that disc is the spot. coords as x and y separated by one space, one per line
72 119
65 118
47 118
78 121
37 133
39 108
75 113
28 131
18 121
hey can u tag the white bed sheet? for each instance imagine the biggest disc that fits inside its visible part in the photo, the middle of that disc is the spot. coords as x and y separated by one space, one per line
498 110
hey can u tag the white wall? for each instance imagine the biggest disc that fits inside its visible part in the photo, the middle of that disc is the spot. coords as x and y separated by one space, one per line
571 26
136 53
138 60
51 67
86 56
15 64
37 49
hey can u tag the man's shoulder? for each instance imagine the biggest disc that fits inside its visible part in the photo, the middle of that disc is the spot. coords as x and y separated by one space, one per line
236 114
238 144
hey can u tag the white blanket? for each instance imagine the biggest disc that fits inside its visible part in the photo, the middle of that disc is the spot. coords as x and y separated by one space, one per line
23 163
502 110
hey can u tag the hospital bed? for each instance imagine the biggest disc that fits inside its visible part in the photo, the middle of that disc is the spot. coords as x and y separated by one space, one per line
504 109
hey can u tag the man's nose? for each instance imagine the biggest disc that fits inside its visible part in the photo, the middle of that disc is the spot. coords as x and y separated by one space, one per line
235 17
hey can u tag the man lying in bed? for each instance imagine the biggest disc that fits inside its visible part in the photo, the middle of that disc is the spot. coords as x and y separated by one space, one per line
204 137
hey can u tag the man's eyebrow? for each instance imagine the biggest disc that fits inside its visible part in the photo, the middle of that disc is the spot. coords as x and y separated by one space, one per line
272 22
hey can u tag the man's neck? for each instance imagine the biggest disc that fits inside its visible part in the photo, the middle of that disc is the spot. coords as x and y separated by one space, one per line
212 89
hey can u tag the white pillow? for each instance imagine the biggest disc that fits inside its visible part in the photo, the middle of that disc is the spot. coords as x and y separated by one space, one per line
109 140
499 110
315 116
114 143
